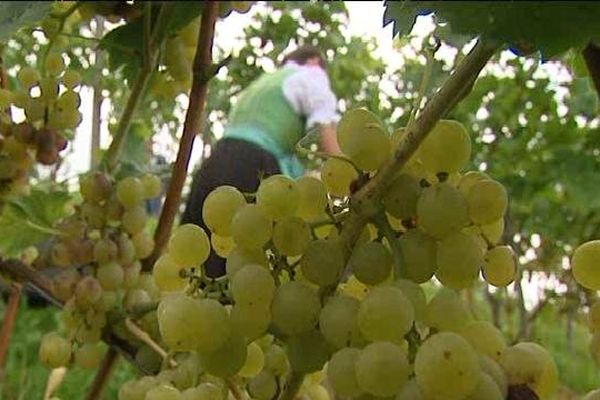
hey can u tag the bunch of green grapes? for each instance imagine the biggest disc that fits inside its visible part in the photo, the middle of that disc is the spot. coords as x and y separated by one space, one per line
99 252
353 321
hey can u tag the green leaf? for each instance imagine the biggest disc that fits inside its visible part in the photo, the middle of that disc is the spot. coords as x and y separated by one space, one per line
550 27
17 14
29 220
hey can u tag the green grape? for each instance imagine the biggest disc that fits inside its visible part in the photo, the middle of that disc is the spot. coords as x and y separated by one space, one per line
61 255
337 176
278 196
371 263
253 285
35 109
447 148
222 245
143 244
135 298
228 359
459 259
251 228
312 197
55 64
50 89
415 293
499 268
148 359
584 265
147 283
110 275
6 98
546 385
64 282
134 219
107 301
163 392
95 187
441 210
494 370
94 215
323 262
69 101
487 201
446 366
87 292
486 389
493 231
130 192
105 250
188 324
263 386
447 312
55 351
594 317
21 98
363 139
385 314
71 79
126 248
250 321
28 77
341 372
276 360
189 245
204 391
291 236
255 360
295 308
402 195
411 391
219 208
152 185
485 338
240 257
89 355
338 321
303 360
469 179
529 364
167 274
382 369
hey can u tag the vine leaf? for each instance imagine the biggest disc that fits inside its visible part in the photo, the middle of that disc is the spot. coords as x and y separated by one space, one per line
29 220
15 15
524 26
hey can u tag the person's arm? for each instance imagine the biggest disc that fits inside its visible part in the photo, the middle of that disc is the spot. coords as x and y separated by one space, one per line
328 139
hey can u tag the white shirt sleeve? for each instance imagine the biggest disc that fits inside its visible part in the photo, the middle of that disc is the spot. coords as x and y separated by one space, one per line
309 93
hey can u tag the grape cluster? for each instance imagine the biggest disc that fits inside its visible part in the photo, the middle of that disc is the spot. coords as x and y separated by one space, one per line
99 253
354 322
49 112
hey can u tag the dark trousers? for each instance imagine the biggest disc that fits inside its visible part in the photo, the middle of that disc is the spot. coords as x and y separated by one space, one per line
232 162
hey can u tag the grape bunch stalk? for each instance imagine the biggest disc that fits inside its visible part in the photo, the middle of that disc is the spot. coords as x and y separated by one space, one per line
301 313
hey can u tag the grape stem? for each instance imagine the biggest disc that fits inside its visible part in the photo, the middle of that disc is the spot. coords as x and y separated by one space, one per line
146 339
235 390
113 153
366 200
203 71
101 378
291 386
8 323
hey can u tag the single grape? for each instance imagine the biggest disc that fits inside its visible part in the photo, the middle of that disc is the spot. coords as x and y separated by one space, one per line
69 101
584 265
276 360
89 355
323 262
447 312
469 179
152 185
50 89
163 392
250 321
167 274
55 64
87 292
130 192
220 207
338 175
255 360
447 148
95 187
441 210
485 338
304 361
312 197
105 250
55 351
134 219
291 236
28 77
240 257
499 268
253 285
189 245
71 79
385 314
228 359
486 389
494 370
415 293
459 259
493 231
6 98
487 201
402 195
263 386
341 372
143 244
446 366
371 263
110 275
419 255
295 308
251 228
382 369
222 245
204 391
278 196
546 385
338 321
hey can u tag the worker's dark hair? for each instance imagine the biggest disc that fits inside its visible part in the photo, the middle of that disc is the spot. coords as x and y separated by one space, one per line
303 54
